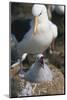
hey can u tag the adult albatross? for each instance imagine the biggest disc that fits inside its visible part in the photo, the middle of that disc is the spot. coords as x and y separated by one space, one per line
40 32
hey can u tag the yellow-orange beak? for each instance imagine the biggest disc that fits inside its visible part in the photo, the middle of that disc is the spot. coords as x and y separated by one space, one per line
35 24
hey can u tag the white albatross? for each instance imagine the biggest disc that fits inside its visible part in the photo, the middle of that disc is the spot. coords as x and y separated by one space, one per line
59 9
41 32
39 71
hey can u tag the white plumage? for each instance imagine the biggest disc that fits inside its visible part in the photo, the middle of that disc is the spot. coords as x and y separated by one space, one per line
39 71
59 9
37 42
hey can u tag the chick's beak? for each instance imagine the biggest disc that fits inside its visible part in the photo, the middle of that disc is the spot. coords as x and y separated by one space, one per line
35 24
42 61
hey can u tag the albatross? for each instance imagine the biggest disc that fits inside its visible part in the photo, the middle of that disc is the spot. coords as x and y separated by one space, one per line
59 9
39 71
39 33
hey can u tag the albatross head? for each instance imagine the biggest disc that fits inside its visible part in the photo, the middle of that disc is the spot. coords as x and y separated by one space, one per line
40 60
39 11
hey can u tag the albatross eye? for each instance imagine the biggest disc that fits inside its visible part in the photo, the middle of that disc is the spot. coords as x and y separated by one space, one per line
40 13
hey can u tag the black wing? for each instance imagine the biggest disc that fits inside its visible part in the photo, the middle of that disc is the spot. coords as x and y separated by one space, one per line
20 27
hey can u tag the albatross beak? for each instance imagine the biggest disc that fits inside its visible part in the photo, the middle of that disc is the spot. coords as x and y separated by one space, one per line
35 24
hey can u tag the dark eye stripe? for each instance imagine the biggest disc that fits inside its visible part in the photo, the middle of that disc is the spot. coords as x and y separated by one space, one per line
40 13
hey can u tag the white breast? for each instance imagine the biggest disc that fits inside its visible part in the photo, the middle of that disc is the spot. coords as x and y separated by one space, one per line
37 43
41 40
39 74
